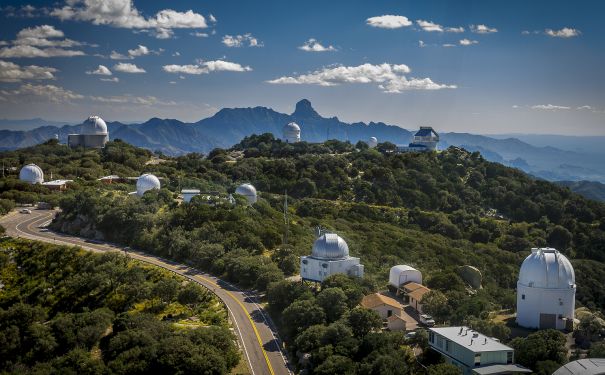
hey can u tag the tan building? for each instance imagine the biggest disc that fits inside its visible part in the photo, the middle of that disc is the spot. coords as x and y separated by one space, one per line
402 322
414 293
383 305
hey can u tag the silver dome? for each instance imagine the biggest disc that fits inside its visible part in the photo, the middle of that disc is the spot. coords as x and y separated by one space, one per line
547 268
247 191
330 246
291 132
147 182
94 125
372 142
31 174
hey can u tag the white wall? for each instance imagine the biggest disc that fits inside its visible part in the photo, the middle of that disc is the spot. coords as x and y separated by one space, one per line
547 301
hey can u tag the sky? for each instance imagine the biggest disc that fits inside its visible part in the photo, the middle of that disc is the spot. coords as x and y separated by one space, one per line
486 67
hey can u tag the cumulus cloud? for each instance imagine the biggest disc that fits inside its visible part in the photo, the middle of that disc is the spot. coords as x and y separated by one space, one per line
112 79
389 78
549 107
389 21
101 70
585 107
128 68
429 26
131 99
448 45
241 41
454 29
199 34
49 93
483 29
312 45
135 52
11 72
139 51
421 44
565 32
123 14
467 42
41 41
206 67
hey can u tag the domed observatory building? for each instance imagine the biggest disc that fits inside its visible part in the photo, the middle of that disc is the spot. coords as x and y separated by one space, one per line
291 133
546 291
93 134
247 191
330 255
32 174
147 182
372 142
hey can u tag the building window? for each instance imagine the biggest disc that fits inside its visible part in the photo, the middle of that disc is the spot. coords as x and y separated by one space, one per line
478 359
522 296
431 337
509 357
389 313
447 345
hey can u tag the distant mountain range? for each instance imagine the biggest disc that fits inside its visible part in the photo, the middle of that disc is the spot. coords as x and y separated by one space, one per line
229 125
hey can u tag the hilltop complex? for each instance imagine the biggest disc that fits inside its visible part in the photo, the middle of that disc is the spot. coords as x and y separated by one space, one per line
93 134
329 256
424 140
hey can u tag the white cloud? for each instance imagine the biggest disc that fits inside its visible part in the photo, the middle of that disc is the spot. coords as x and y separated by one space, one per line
131 99
128 68
585 107
388 77
429 26
241 41
112 79
206 67
549 107
41 41
139 51
454 29
11 72
200 35
123 14
49 93
177 53
312 45
565 32
483 29
515 106
467 42
40 32
135 52
102 70
421 44
211 18
448 45
30 51
389 21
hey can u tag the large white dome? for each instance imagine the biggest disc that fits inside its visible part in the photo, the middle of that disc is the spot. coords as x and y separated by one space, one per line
94 125
31 174
547 268
373 142
291 132
147 182
330 246
247 191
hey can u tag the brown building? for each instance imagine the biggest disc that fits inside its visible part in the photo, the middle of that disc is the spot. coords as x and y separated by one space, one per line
383 305
414 293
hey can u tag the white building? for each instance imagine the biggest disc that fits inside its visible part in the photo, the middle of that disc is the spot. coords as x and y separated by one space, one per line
147 182
473 352
32 174
372 142
402 274
424 140
93 134
586 366
546 291
188 194
330 255
291 132
57 184
248 191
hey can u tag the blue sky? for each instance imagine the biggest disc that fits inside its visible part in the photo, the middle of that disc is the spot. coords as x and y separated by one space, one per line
465 66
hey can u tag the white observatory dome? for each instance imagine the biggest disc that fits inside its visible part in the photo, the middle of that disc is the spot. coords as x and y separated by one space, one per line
94 125
147 182
547 268
373 142
31 174
291 132
247 191
330 246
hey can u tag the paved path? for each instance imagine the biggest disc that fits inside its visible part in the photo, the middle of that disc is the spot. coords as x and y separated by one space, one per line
256 333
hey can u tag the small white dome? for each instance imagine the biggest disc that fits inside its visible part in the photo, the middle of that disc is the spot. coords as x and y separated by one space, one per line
330 246
31 174
147 182
247 191
373 142
94 125
291 132
547 268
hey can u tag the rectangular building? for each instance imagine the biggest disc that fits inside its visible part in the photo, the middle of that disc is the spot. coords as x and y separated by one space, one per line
473 352
414 293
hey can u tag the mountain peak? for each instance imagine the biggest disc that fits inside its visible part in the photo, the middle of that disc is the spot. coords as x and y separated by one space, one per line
305 110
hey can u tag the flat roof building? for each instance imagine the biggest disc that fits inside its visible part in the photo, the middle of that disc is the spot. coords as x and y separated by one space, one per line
188 194
56 184
473 352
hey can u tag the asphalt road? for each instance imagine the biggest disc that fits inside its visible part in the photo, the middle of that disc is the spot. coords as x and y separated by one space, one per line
257 336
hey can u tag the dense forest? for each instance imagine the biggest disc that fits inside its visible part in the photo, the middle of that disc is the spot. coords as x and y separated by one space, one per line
434 211
66 311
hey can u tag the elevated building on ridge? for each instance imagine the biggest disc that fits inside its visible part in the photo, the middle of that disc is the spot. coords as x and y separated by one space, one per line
329 256
93 134
425 140
32 174
291 132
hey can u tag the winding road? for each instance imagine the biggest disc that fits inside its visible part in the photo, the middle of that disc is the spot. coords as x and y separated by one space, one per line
257 336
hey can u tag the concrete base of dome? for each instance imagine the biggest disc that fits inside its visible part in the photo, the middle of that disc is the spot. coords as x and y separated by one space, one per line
545 308
87 140
315 269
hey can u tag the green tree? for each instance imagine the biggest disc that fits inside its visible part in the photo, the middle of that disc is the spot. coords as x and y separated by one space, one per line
444 369
300 315
540 346
363 321
334 303
435 303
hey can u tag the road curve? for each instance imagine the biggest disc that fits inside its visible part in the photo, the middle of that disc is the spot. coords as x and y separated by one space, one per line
257 335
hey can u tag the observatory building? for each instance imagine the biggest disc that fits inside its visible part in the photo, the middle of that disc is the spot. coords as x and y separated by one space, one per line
424 140
93 134
330 255
147 182
32 174
372 142
402 274
291 132
546 290
247 191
